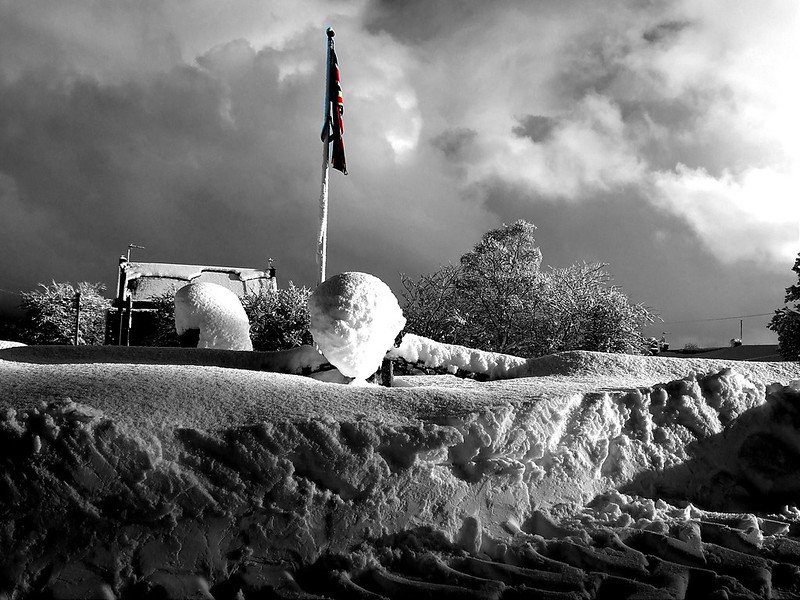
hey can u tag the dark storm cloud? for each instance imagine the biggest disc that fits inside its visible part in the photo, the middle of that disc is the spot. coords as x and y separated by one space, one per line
417 21
536 127
212 163
454 142
664 30
183 163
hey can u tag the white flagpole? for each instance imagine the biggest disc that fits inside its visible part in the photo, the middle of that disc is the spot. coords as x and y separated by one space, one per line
322 240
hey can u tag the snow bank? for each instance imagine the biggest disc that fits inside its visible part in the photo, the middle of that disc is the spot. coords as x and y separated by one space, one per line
266 483
217 312
355 318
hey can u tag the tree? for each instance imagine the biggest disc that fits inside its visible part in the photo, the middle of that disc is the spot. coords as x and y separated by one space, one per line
581 310
498 286
431 305
786 321
49 313
278 320
498 298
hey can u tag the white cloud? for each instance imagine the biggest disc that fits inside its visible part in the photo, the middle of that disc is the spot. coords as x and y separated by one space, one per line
750 216
588 151
702 120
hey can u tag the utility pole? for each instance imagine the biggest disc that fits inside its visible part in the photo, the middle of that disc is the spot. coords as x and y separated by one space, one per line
76 303
741 321
121 293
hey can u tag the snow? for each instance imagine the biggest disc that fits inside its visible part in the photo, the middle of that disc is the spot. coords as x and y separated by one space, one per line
415 348
9 344
185 469
217 312
134 270
355 318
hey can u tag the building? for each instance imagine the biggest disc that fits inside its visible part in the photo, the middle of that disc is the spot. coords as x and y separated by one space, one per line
140 287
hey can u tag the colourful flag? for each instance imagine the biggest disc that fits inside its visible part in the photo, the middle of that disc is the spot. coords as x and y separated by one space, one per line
337 111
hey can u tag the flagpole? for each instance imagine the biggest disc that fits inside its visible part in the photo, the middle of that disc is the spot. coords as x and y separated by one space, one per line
322 240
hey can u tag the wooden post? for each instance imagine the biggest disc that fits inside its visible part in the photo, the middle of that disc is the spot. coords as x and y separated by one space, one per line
77 305
387 372
129 310
121 283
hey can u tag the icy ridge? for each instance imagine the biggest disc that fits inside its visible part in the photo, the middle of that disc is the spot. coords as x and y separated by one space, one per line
104 509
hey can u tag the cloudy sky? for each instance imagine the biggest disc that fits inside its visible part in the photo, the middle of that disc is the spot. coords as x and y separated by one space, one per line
660 137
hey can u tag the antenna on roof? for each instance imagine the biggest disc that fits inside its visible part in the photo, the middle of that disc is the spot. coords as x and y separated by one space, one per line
130 247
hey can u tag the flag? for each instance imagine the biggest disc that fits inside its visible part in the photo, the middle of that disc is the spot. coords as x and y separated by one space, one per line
336 127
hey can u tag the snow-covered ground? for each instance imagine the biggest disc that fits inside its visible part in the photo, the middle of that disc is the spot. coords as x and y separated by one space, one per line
140 470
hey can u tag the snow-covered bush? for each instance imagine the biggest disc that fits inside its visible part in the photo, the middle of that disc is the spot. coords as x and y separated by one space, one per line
216 312
355 318
278 319
499 299
49 314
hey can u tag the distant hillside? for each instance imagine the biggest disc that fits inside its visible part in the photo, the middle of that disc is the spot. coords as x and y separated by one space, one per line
754 352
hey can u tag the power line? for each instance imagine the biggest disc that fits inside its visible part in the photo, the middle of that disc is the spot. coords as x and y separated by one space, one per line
10 292
719 319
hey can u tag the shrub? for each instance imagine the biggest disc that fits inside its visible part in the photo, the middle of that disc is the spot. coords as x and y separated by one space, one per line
163 322
11 329
49 314
278 319
499 299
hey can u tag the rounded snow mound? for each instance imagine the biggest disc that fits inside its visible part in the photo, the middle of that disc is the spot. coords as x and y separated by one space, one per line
217 312
355 318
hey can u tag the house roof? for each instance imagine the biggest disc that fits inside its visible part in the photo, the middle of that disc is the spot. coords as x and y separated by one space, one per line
144 282
135 270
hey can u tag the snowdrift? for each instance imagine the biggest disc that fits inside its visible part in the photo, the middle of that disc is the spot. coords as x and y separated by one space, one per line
596 476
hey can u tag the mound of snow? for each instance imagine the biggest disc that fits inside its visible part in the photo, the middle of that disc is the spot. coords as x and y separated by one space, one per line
354 320
131 478
217 312
415 348
10 344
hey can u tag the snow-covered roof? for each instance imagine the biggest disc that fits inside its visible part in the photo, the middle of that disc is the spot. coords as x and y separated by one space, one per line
146 281
134 270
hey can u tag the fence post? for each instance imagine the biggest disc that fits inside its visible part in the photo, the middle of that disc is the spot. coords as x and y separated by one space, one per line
387 372
76 303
